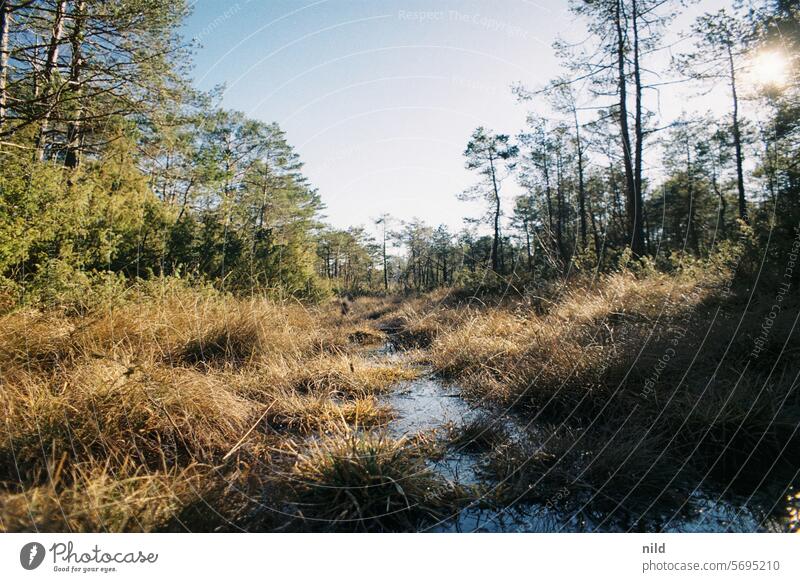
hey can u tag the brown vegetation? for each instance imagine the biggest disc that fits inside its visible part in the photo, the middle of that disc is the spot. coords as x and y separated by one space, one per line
122 417
176 408
635 385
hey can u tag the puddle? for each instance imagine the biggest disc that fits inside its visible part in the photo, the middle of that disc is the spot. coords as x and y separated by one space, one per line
529 518
427 404
712 515
706 516
430 404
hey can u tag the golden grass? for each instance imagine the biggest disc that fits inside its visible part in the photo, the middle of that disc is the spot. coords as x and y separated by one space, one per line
99 499
127 417
102 409
310 413
148 404
669 351
587 341
347 375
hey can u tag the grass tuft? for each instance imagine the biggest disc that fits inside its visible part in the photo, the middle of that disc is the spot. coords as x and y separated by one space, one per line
367 482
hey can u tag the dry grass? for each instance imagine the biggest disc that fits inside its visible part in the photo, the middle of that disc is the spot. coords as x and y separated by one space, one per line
98 498
347 376
177 409
106 410
367 482
124 417
670 351
588 341
608 469
314 413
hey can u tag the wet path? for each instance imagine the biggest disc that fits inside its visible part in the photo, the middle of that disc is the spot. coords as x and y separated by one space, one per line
428 404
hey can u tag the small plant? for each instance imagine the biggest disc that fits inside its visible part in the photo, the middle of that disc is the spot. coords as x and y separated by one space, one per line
482 433
366 482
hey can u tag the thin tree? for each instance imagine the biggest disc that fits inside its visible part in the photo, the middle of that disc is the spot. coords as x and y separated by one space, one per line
77 61
383 220
51 62
720 44
535 169
490 155
5 26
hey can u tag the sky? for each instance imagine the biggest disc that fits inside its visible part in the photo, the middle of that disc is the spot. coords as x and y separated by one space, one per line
379 97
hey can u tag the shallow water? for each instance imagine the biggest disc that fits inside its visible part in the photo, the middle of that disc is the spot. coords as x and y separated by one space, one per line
707 516
430 404
427 404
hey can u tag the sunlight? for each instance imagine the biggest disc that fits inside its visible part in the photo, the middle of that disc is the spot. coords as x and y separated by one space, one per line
769 69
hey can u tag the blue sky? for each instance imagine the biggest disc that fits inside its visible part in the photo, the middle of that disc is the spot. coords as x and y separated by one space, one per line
379 97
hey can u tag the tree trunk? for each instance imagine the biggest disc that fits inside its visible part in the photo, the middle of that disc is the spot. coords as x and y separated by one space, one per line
50 64
581 185
185 199
5 24
630 184
496 239
737 142
617 217
74 133
637 236
722 202
385 262
549 196
328 272
560 208
595 234
691 227
528 245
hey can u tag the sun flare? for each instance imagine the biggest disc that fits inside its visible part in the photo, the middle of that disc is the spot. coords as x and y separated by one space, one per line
769 69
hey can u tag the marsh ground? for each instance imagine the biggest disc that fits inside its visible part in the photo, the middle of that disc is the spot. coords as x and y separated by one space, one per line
621 403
